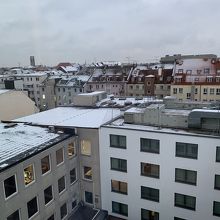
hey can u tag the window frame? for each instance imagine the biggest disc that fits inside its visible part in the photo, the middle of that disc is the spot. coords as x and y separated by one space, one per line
118 137
74 149
120 163
36 213
26 185
71 183
46 204
119 186
186 153
60 192
43 174
150 198
217 187
120 208
16 186
59 164
66 211
81 147
185 176
149 148
85 197
86 172
147 210
150 174
217 158
19 215
184 198
214 202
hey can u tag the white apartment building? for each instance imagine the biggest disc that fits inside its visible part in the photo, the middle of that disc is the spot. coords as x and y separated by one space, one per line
152 172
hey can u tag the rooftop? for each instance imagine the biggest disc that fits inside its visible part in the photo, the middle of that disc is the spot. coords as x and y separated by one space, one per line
19 141
73 117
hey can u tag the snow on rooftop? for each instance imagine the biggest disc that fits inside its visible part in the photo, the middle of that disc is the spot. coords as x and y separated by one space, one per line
73 117
2 91
20 139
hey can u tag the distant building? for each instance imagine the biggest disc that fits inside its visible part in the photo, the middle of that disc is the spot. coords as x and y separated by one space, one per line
32 61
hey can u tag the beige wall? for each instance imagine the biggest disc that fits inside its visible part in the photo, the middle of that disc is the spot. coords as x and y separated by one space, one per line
15 104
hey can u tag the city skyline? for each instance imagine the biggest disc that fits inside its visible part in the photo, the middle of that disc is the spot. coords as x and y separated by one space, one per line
139 31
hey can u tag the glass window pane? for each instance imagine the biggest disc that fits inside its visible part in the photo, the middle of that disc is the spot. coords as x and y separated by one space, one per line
45 164
88 197
217 181
86 147
217 154
63 211
29 174
10 186
150 145
32 207
61 184
48 194
51 217
88 173
14 216
72 175
71 149
216 208
59 156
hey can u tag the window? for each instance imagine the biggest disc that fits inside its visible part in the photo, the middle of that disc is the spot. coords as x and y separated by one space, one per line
218 154
217 91
119 187
74 204
199 71
61 184
196 91
181 90
150 193
29 174
185 176
205 91
188 72
63 211
120 208
118 141
59 156
10 186
48 195
14 216
51 217
176 218
86 147
149 215
186 150
185 201
212 91
88 197
150 145
174 90
45 164
119 164
216 208
87 173
71 149
188 95
206 70
150 170
217 181
32 207
72 175
180 70
63 89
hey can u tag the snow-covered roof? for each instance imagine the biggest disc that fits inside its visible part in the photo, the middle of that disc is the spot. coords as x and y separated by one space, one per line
2 91
22 140
73 117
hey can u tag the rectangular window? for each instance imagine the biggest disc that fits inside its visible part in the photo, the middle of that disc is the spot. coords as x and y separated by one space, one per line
51 217
10 186
118 141
206 70
28 174
71 150
61 184
216 208
185 201
150 145
205 91
59 156
150 170
188 95
176 218
45 164
120 208
86 147
32 207
217 154
181 90
14 216
119 187
87 173
180 70
185 176
88 197
196 91
72 175
217 91
217 181
74 204
48 195
186 150
63 211
118 164
149 215
212 91
150 193
174 90
188 72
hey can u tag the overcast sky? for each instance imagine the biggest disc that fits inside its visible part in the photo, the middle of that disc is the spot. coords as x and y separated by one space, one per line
106 30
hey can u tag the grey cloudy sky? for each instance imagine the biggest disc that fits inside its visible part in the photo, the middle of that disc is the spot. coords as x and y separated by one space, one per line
95 30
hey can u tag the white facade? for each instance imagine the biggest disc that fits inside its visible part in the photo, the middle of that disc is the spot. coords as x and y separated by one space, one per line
206 167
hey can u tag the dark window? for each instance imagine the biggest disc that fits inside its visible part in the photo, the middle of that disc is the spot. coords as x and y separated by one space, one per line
119 164
149 215
45 164
185 176
217 154
120 208
119 187
61 184
186 150
63 211
10 186
150 145
74 204
88 197
151 170
217 182
118 141
32 207
72 175
51 217
150 193
63 89
176 218
87 173
185 201
59 156
14 216
216 208
48 194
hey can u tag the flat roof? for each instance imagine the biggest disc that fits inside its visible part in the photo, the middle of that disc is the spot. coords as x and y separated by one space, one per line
21 141
73 117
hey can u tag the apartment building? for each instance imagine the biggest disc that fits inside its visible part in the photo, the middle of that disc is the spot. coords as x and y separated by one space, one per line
159 163
39 172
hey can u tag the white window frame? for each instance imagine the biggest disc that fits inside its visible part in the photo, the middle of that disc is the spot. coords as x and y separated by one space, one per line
34 175
37 209
63 157
49 163
52 195
58 185
16 184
